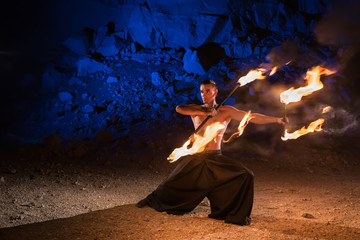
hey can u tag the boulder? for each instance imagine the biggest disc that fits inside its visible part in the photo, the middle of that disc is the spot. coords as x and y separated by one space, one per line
86 66
141 24
238 49
192 63
52 78
108 47
174 24
76 44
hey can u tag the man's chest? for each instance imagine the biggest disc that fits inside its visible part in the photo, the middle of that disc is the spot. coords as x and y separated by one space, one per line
222 118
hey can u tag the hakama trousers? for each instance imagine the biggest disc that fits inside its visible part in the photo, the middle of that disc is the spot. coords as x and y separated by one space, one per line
227 184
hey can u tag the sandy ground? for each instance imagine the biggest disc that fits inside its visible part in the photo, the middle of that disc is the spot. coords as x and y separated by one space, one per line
66 200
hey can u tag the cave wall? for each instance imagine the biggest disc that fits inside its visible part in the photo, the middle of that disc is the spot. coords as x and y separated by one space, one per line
121 67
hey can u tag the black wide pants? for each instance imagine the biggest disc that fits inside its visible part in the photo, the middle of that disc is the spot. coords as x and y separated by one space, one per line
227 184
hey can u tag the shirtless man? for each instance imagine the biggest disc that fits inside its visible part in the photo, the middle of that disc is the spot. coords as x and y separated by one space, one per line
224 114
227 184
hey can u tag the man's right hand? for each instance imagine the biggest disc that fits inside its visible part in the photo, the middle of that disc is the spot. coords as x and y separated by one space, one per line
283 121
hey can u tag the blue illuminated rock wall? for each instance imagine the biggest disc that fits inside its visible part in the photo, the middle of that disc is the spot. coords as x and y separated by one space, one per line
123 66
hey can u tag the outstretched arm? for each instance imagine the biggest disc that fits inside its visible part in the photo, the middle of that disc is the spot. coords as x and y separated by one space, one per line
193 110
256 118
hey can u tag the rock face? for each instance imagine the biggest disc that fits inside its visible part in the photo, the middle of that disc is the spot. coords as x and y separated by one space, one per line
127 72
174 24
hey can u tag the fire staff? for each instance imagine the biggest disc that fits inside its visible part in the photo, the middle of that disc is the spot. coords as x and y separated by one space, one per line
227 184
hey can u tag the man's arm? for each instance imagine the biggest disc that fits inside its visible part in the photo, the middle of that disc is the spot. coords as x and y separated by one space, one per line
193 110
256 118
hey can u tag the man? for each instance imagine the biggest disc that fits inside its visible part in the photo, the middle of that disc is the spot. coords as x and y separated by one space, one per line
227 184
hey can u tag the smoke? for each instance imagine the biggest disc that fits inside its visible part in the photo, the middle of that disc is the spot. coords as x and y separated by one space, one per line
339 121
340 30
340 26
281 55
297 54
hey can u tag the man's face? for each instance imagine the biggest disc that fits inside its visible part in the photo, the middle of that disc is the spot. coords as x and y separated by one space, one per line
208 92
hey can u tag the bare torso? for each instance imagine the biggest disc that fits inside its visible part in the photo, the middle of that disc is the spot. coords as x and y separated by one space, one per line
223 117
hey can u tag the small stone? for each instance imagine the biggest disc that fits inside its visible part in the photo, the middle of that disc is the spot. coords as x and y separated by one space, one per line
84 95
112 79
17 217
308 215
2 179
88 108
156 79
76 183
65 96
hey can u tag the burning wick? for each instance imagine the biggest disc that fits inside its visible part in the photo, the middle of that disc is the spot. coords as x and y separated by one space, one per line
199 142
255 74
241 127
252 76
313 127
295 95
313 84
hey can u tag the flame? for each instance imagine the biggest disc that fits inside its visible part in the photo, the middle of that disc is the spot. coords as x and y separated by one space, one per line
273 71
313 127
252 76
241 127
313 84
199 144
326 109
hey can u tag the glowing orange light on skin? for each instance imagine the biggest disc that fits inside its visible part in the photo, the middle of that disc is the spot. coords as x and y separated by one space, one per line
199 143
313 127
313 84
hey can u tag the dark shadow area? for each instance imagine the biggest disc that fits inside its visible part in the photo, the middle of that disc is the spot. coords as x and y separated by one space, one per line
129 222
